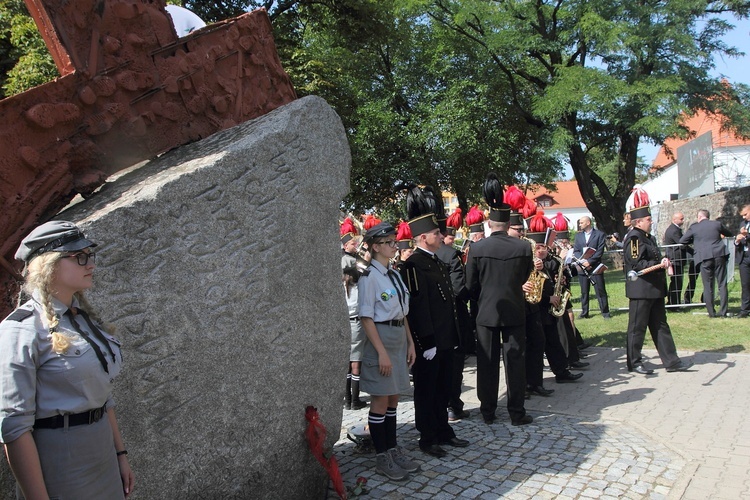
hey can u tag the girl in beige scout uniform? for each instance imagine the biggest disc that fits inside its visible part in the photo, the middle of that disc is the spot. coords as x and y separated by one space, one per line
57 368
389 350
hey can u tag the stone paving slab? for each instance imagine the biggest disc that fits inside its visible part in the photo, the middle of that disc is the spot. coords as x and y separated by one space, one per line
611 435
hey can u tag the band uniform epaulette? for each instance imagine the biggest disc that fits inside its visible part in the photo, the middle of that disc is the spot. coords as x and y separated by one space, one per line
20 314
634 247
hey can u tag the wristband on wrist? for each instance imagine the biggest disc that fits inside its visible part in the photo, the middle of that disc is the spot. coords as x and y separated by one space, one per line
123 452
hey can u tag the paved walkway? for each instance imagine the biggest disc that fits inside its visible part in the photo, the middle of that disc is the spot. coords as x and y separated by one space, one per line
611 435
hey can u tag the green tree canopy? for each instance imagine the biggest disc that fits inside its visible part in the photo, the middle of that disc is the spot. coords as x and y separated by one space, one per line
604 74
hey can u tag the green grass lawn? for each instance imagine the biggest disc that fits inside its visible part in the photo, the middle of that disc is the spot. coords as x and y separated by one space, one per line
692 329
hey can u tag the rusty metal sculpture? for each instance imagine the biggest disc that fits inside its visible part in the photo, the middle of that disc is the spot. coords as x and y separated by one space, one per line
130 89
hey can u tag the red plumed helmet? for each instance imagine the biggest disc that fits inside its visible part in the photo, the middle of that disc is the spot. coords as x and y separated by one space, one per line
515 198
539 223
404 232
348 227
529 208
456 219
638 198
371 221
560 222
475 216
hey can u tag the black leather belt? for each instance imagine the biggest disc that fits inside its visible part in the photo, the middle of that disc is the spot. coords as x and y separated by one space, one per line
391 322
353 318
84 418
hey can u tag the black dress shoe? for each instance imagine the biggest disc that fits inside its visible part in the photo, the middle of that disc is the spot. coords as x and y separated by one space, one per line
583 316
434 450
643 370
680 367
567 377
606 316
578 365
489 419
526 419
454 416
538 389
454 441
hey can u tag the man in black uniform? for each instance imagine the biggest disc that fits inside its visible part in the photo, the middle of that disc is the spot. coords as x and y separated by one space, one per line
646 294
432 319
535 344
451 257
496 269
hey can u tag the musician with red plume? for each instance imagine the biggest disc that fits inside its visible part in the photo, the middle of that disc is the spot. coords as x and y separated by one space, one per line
351 273
646 287
453 259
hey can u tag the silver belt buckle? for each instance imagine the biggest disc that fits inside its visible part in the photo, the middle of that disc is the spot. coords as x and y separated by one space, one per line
95 415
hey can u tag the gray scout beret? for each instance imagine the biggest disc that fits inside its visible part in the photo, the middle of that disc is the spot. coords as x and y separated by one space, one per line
53 236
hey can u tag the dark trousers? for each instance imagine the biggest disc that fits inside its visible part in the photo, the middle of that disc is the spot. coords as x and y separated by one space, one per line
675 284
511 340
568 339
432 379
534 349
712 271
745 282
457 380
556 357
692 276
599 288
649 313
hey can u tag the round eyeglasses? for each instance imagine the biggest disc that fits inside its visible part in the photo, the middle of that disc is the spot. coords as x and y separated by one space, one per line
82 257
390 243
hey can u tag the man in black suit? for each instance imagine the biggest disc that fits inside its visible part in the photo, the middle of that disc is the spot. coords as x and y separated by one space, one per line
588 236
681 259
742 249
711 255
432 319
452 258
496 270
646 294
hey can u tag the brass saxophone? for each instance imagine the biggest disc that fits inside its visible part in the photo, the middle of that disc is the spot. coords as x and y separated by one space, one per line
536 278
564 294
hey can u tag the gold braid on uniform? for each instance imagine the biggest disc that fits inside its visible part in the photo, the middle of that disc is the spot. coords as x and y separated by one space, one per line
634 248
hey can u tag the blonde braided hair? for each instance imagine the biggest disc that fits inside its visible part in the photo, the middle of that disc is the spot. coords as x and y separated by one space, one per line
39 274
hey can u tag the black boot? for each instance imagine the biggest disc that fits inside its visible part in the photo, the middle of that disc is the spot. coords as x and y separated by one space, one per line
348 395
356 403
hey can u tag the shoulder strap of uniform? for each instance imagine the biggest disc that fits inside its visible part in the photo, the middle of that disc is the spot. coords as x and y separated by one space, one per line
20 314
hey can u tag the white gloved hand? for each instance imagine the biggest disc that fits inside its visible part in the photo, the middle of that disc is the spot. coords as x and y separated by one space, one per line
430 353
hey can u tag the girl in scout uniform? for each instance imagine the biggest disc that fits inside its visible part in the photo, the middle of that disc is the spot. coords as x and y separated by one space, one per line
389 350
57 368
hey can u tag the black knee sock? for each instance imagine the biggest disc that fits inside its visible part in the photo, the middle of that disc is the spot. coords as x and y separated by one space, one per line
378 432
348 396
355 387
390 427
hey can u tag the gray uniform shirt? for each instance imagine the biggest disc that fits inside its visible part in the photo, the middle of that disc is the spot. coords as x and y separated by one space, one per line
36 382
378 296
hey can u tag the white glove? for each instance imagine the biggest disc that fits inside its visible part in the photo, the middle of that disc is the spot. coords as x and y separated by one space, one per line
430 353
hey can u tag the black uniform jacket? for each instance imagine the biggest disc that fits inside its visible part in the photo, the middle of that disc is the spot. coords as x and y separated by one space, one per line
496 269
432 308
641 251
452 258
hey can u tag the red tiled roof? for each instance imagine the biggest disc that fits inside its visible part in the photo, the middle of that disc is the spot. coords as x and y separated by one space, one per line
567 195
699 124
